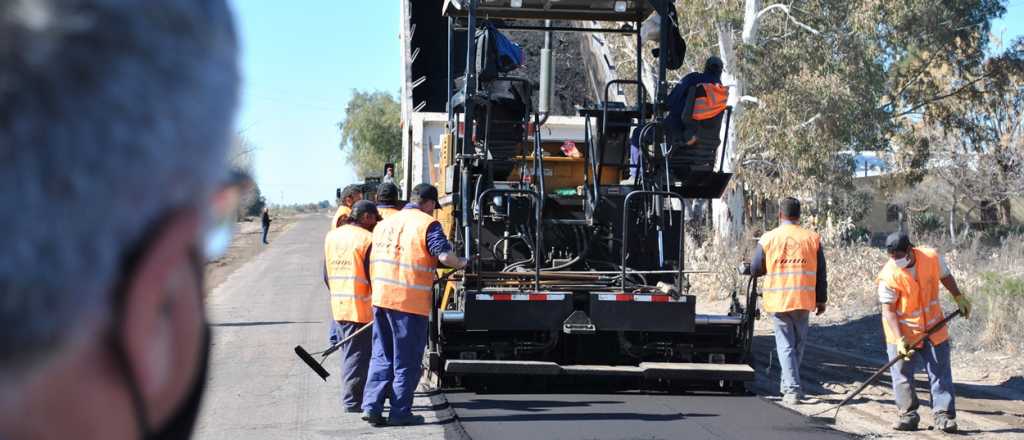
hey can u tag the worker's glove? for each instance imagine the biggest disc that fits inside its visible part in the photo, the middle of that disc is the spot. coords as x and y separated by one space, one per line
903 350
965 305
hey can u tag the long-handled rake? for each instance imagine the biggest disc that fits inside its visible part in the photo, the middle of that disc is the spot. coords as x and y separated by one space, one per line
318 366
878 373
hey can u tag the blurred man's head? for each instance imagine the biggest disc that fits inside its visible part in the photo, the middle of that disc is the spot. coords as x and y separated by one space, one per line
114 126
424 195
387 194
789 209
364 213
351 194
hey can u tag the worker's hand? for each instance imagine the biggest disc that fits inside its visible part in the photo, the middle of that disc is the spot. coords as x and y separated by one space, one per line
821 309
462 263
903 350
965 305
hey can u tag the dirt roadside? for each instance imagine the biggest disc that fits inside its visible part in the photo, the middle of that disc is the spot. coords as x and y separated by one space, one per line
245 245
989 389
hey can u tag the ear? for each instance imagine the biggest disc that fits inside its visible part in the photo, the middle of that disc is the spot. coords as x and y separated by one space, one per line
153 299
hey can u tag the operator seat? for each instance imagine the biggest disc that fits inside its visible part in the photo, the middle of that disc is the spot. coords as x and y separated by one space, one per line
694 148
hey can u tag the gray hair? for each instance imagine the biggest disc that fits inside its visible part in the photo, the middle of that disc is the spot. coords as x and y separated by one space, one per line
112 114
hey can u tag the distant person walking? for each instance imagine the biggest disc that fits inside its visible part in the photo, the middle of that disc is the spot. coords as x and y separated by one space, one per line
266 224
792 262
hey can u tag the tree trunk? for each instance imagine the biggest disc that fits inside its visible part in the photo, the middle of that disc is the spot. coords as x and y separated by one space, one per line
1005 212
728 210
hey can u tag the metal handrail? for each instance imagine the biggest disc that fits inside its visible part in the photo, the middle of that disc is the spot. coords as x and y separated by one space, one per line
537 239
625 232
641 103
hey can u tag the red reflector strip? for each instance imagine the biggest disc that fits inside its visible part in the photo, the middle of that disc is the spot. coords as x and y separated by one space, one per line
620 297
520 296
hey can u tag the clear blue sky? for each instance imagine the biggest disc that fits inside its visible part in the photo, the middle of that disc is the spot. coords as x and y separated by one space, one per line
300 62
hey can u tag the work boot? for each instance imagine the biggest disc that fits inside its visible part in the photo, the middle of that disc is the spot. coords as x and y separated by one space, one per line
411 419
374 419
791 399
945 423
907 422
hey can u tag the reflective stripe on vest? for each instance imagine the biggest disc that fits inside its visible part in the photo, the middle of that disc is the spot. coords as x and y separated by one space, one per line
712 104
345 251
791 260
917 300
401 267
339 215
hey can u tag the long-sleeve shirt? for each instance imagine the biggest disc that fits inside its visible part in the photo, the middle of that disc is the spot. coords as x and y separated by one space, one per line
437 242
758 267
676 100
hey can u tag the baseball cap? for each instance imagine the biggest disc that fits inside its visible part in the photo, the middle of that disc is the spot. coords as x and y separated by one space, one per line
363 207
387 192
424 192
897 241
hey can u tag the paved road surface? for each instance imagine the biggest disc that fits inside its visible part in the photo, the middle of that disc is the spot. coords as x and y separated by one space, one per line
258 389
629 416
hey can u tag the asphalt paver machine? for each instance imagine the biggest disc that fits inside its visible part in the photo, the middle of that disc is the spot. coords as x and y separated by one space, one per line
577 271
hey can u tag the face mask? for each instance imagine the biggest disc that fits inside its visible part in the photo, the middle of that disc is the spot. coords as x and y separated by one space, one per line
181 423
902 262
217 240
183 420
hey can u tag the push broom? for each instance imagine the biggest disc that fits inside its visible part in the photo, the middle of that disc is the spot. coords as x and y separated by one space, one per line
318 366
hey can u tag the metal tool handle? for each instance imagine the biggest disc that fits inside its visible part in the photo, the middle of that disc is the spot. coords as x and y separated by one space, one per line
882 370
337 345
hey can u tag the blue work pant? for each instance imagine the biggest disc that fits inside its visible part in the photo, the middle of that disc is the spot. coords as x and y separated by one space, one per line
935 360
399 340
790 340
334 332
355 361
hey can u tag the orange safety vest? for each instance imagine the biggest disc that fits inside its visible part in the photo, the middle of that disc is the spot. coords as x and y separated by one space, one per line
791 260
712 103
401 267
917 300
340 216
345 251
386 212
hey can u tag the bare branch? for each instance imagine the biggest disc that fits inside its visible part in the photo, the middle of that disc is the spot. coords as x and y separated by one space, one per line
785 10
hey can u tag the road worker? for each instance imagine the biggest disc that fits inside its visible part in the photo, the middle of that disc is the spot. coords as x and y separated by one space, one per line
387 199
349 196
407 247
115 125
676 100
347 275
791 260
908 289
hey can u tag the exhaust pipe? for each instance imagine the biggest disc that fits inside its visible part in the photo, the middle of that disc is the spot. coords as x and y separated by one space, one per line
547 76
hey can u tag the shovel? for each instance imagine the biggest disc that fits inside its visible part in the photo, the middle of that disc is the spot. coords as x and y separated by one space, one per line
878 373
